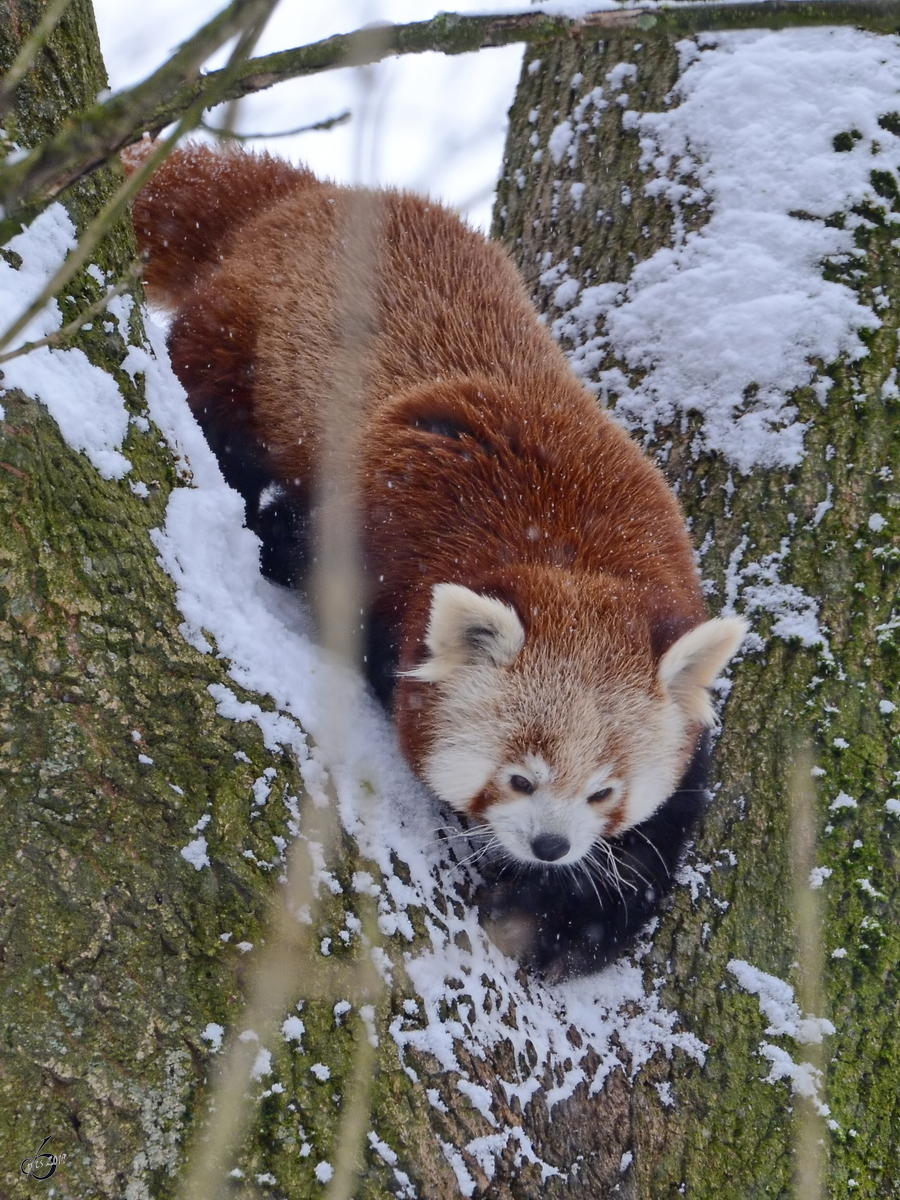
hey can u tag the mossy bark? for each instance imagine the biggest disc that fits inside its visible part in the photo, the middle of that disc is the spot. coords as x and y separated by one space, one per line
729 1132
112 958
111 953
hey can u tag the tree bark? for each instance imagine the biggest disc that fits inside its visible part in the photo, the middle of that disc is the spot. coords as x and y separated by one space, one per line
111 957
729 1132
111 961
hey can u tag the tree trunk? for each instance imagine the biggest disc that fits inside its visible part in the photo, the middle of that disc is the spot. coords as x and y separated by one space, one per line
110 952
111 750
729 1130
113 753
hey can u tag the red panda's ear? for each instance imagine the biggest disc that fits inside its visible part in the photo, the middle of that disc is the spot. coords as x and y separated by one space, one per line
687 668
466 629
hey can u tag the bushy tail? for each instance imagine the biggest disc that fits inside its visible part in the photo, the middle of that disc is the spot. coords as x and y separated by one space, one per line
195 203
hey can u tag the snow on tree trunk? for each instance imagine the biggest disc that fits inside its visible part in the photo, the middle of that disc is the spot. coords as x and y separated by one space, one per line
714 240
151 788
141 831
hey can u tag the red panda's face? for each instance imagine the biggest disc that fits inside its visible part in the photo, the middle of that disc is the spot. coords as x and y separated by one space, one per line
564 737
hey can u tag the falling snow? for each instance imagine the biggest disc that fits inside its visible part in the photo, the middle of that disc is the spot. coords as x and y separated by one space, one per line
736 309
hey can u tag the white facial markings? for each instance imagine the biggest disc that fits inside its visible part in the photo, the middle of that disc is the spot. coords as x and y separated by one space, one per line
526 777
615 749
458 772
604 789
533 802
517 823
532 798
648 789
539 768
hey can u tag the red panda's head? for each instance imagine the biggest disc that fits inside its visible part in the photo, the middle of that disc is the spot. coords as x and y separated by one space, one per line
559 726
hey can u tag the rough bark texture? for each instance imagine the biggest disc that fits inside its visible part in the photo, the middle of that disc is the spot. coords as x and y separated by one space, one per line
111 958
729 1132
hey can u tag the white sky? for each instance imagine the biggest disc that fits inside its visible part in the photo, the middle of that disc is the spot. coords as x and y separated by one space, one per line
428 122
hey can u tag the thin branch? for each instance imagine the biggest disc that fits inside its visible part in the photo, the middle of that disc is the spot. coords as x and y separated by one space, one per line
811 1131
276 980
337 584
329 123
241 53
356 1116
29 51
82 144
450 33
287 967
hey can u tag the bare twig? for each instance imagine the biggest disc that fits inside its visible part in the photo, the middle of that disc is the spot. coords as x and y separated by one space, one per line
338 585
28 52
811 1131
289 965
128 190
242 52
454 34
231 135
450 33
86 141
356 1117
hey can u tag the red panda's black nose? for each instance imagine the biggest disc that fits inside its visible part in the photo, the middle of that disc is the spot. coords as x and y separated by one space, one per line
550 846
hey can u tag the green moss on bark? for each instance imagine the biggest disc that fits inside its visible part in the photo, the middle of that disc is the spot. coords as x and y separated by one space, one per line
112 958
113 961
111 953
729 1131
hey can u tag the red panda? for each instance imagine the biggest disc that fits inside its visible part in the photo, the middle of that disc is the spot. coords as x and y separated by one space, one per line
535 619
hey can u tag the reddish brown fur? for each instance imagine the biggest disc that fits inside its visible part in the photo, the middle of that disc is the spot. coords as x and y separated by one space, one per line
540 496
186 214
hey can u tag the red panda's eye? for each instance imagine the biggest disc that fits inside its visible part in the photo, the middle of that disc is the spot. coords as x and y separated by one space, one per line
600 794
520 784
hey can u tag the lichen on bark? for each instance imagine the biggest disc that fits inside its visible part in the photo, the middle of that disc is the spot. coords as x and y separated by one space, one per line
729 1132
115 952
113 959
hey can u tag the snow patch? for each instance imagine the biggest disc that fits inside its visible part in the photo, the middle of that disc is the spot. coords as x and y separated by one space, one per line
805 1079
731 318
195 853
293 1029
324 1172
842 800
262 1064
818 875
84 401
560 140
213 1033
776 1000
759 588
